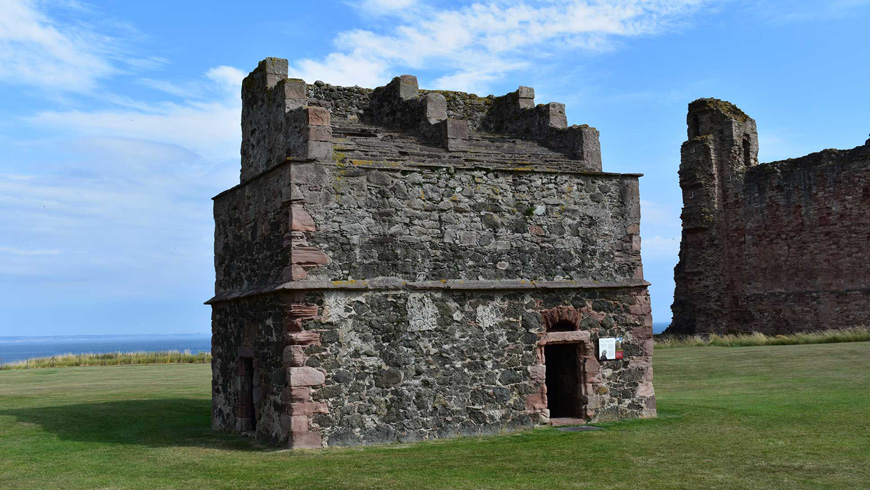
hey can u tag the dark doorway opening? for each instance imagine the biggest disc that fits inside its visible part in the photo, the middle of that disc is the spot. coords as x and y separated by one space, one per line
246 393
563 380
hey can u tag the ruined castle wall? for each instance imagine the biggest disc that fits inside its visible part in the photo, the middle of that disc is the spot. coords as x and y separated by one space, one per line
805 242
405 366
773 248
436 224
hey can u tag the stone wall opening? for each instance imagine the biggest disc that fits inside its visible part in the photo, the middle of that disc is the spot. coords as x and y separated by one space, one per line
247 411
564 380
563 326
747 151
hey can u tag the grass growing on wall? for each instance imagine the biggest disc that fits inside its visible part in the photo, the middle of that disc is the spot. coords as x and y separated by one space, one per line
771 417
110 359
856 334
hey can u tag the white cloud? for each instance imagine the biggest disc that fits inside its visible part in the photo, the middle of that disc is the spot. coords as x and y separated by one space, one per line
383 6
480 42
207 122
20 251
37 51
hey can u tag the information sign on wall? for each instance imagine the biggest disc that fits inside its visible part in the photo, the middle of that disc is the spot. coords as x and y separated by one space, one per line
609 348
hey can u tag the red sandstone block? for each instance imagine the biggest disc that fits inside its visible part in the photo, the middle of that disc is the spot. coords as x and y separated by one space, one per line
300 394
317 116
295 394
317 133
303 311
538 374
305 440
305 376
299 423
565 337
300 220
308 408
303 338
294 355
536 402
308 256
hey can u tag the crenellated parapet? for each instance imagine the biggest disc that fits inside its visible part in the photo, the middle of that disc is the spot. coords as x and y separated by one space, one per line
399 104
285 118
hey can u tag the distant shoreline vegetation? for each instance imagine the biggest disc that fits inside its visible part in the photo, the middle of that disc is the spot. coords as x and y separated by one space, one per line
855 334
110 359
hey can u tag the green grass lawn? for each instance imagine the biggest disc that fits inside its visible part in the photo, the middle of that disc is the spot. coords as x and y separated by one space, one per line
747 417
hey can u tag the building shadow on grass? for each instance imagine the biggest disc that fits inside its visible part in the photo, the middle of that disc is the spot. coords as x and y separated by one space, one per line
152 422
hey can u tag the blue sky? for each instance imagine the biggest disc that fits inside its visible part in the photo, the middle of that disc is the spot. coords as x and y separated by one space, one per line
120 120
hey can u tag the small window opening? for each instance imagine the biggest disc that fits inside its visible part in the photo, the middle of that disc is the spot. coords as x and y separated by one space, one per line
563 380
696 127
747 151
563 326
247 411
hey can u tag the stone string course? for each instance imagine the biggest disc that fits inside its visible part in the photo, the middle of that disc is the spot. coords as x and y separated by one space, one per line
775 248
392 260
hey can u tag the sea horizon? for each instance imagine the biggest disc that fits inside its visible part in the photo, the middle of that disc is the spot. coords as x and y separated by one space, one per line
14 348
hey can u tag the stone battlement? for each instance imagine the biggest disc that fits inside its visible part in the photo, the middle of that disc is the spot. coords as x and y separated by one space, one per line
287 118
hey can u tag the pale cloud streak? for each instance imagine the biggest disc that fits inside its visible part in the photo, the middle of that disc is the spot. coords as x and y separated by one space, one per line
37 50
476 44
205 122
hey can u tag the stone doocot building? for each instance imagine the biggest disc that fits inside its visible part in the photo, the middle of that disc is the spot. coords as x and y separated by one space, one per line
775 248
400 264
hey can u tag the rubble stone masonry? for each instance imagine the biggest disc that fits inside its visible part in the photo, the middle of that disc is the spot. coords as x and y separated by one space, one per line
395 262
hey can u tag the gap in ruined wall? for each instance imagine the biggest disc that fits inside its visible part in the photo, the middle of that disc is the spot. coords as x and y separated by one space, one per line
564 376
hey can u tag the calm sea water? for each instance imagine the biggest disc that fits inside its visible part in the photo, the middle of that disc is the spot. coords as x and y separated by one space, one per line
20 348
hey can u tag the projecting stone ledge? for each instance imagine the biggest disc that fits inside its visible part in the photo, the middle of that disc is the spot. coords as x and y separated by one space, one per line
392 283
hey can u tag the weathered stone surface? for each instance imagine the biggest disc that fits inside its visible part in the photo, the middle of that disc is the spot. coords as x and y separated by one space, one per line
768 248
305 376
396 262
436 107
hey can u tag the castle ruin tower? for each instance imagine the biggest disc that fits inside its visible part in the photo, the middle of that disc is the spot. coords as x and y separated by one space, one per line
722 143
